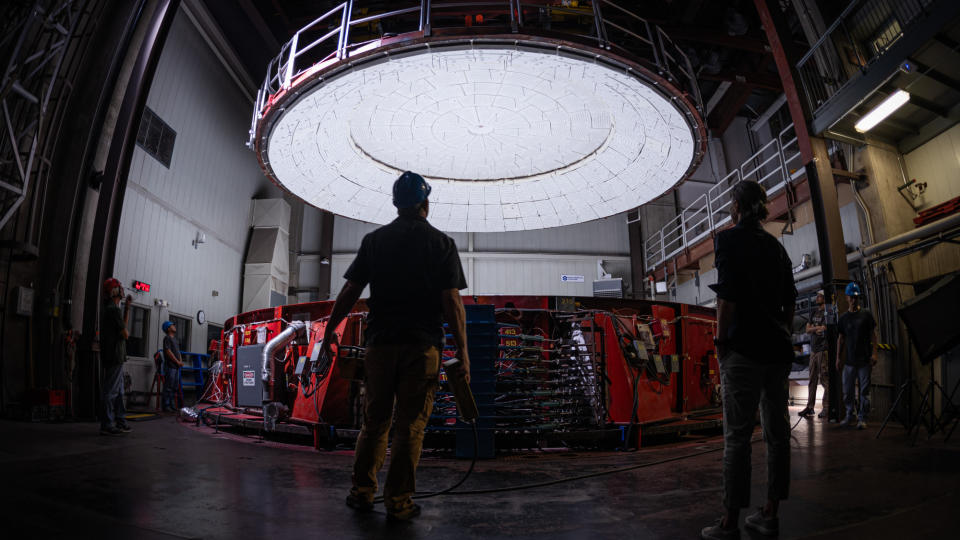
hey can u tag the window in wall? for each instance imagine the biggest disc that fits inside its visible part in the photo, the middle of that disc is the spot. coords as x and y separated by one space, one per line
183 331
213 333
139 325
156 137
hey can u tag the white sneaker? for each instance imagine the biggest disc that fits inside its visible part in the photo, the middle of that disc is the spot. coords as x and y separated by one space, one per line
767 526
861 425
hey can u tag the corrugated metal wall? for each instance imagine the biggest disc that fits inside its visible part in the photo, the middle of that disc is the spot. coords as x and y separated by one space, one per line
527 262
938 164
207 189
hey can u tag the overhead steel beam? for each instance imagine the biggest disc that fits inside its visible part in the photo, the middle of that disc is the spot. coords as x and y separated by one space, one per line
716 96
862 85
710 36
930 130
729 107
933 74
813 151
757 79
768 113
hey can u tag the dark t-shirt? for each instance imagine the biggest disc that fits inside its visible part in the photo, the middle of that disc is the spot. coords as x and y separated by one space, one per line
407 264
856 327
113 348
170 344
818 342
754 271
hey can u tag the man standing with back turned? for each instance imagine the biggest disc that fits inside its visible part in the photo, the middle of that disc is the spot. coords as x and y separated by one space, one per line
415 276
755 304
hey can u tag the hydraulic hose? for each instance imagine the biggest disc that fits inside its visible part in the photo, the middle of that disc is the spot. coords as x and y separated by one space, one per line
473 463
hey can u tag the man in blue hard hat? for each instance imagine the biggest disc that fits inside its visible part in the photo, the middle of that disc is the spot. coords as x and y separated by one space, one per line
857 329
172 362
415 278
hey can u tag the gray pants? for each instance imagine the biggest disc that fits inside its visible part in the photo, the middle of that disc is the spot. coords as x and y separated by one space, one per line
748 384
111 397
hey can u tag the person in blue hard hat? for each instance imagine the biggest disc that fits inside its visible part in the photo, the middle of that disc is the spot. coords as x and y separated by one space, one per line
172 362
756 297
857 329
415 278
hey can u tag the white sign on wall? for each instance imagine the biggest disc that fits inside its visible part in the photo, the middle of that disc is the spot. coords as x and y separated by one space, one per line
570 278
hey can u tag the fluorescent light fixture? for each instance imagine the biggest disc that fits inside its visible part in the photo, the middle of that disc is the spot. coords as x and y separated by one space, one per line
881 111
510 139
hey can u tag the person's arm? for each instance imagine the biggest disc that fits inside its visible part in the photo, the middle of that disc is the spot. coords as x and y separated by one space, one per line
873 347
173 357
840 340
456 317
726 311
345 300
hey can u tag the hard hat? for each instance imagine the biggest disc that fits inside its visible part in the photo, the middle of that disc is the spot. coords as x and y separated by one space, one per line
166 326
820 292
112 287
852 289
410 190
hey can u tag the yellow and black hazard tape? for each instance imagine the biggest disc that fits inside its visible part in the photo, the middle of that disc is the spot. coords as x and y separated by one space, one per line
886 347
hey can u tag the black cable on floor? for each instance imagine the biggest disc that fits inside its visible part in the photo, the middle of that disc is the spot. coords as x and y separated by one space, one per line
473 463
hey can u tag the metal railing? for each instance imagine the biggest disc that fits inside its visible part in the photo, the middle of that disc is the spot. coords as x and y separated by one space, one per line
328 40
776 164
861 34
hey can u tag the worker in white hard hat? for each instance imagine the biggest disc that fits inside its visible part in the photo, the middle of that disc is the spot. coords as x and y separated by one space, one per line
819 362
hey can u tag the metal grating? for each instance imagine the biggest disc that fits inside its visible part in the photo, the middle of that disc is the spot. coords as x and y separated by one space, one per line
156 137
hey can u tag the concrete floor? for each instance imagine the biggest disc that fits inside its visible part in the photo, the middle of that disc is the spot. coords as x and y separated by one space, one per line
173 480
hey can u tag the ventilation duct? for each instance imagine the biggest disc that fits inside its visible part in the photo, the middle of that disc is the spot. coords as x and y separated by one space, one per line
266 269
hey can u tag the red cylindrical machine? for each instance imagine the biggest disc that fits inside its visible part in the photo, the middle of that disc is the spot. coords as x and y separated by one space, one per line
653 362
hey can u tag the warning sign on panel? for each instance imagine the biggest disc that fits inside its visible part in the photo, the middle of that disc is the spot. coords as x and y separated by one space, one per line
248 378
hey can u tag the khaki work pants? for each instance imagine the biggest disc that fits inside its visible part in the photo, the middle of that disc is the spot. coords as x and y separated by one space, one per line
819 374
405 375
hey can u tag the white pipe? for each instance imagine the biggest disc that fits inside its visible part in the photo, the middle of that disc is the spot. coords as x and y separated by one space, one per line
868 219
853 256
918 233
280 340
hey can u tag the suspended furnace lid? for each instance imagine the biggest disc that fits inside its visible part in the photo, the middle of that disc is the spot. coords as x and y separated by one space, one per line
513 131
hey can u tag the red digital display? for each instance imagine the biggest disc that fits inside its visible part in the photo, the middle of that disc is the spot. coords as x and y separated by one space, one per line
141 286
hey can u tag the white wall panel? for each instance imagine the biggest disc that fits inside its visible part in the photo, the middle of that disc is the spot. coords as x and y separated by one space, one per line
937 163
207 188
602 236
514 273
499 266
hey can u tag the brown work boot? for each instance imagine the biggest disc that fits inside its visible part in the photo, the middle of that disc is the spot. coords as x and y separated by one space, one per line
406 514
361 502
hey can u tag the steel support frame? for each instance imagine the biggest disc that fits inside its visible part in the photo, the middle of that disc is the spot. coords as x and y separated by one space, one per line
113 187
27 80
